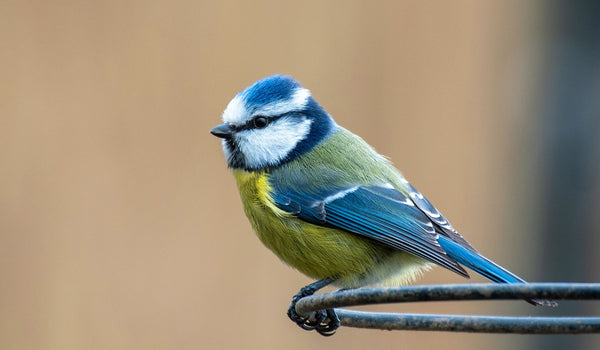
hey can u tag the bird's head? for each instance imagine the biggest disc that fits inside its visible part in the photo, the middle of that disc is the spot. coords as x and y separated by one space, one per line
271 122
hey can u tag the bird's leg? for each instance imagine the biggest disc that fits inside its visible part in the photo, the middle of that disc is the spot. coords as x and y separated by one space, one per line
323 321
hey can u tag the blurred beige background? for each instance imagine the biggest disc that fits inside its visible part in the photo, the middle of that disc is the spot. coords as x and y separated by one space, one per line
120 225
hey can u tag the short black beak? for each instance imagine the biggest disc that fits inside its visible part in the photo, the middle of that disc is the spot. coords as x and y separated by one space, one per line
223 131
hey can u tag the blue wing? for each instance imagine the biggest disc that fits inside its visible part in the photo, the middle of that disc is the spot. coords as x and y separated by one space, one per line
381 213
409 223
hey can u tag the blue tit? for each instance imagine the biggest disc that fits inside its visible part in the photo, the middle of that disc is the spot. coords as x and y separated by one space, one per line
327 204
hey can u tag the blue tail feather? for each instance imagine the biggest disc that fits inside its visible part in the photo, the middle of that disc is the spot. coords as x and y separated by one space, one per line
485 267
478 263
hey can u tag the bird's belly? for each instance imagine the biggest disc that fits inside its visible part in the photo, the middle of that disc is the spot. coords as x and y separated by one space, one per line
321 252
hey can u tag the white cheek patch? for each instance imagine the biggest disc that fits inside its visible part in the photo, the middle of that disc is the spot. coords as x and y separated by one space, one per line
268 146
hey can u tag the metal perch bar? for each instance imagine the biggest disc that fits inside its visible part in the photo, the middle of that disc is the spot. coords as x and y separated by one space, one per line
458 323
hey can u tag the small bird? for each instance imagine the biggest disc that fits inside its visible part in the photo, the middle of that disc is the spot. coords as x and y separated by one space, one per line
326 203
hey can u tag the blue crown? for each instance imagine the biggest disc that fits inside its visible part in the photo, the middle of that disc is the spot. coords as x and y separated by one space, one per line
270 89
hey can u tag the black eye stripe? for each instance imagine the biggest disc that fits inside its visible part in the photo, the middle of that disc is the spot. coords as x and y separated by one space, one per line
250 123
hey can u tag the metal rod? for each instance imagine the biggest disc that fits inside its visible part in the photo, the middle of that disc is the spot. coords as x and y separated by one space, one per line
459 323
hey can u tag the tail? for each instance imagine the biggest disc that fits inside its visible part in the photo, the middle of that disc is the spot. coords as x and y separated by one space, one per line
485 267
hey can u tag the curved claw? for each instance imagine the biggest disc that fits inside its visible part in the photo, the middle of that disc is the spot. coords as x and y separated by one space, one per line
325 322
328 329
316 319
306 323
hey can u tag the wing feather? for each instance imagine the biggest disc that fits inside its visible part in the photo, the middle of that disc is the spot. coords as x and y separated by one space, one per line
380 213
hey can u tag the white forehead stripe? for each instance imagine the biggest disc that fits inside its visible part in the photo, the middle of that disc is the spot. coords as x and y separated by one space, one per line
237 112
296 103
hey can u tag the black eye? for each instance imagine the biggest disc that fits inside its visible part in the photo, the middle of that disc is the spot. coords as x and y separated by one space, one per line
260 121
